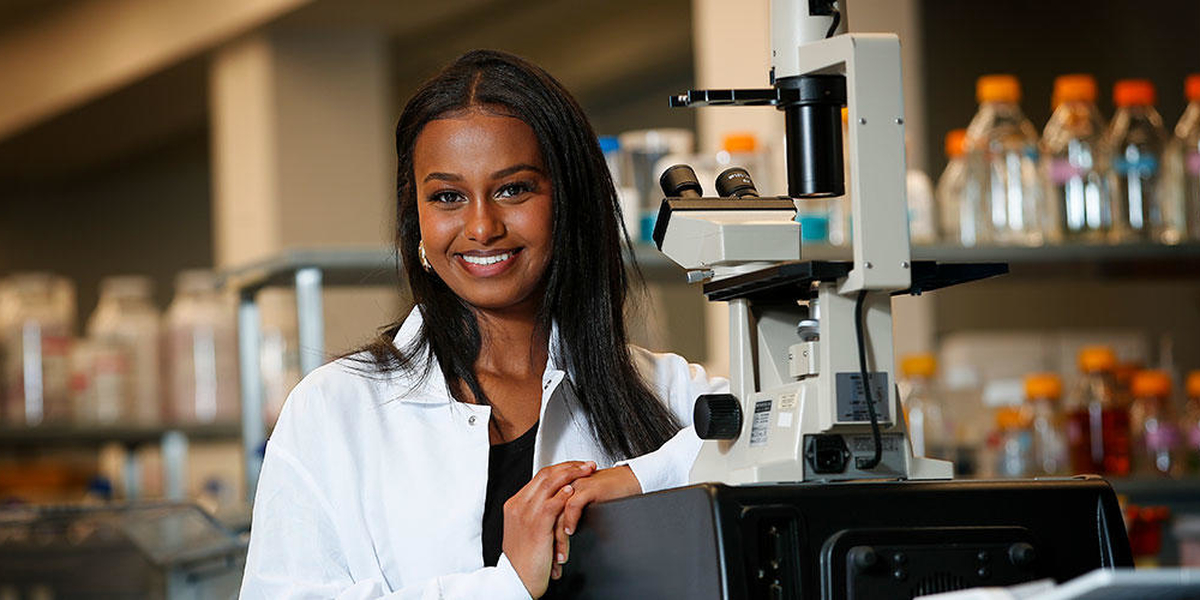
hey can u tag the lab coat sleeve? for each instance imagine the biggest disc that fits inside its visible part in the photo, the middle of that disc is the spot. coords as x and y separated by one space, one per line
678 384
297 551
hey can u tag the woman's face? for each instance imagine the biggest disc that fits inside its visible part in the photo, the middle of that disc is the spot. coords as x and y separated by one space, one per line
485 207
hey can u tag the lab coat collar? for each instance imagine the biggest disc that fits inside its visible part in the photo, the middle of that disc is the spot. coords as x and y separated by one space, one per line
434 391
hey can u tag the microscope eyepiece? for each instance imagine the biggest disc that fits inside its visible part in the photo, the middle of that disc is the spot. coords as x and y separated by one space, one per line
680 181
736 182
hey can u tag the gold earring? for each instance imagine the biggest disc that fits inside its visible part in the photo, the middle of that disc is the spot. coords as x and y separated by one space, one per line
421 256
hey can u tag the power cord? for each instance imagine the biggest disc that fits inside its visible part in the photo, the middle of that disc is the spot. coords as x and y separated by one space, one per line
837 20
866 382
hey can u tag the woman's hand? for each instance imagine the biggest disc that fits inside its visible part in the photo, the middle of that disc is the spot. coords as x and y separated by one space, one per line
605 484
529 521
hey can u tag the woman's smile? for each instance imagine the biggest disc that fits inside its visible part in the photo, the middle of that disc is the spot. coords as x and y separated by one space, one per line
487 263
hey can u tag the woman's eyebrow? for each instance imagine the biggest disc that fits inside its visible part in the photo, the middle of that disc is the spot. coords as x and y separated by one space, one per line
442 177
505 172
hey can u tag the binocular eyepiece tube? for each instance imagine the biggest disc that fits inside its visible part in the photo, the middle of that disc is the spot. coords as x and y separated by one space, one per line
680 181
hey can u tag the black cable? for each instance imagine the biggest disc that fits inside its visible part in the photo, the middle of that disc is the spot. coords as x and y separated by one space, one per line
837 20
859 326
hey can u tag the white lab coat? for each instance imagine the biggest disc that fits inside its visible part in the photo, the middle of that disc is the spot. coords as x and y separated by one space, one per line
373 485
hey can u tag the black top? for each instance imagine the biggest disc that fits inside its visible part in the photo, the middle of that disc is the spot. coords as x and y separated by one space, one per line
510 467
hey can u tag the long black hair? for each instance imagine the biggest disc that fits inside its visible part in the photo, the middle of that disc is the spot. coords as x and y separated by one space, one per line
585 284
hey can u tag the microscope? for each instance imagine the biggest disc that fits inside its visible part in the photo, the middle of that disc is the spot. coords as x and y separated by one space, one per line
806 485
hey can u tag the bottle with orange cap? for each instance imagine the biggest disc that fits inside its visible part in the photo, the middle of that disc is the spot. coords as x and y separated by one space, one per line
929 430
1097 420
958 197
1043 394
1152 422
1189 425
1187 141
1014 444
1002 158
1075 163
1142 210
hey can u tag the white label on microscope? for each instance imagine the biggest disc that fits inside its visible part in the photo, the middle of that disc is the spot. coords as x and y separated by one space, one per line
761 424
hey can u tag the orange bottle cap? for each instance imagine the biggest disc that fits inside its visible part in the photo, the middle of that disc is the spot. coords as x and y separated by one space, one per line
1074 88
1151 384
1043 385
998 88
956 143
1191 87
1193 384
918 365
739 142
1093 359
1010 417
1134 92
845 115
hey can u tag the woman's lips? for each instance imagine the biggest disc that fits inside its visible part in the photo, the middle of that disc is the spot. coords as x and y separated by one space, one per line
487 264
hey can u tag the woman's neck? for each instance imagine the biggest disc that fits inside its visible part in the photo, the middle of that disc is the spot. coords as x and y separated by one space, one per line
512 344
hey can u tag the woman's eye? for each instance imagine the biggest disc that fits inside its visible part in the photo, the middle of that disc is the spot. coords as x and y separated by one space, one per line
513 190
445 197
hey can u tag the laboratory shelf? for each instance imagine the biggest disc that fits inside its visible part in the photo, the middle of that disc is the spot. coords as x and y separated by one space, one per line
1144 261
81 436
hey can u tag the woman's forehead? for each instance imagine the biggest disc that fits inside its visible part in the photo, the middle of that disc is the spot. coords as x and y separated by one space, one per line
474 141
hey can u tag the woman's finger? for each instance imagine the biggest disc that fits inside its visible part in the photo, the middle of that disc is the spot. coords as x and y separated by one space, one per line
562 542
549 480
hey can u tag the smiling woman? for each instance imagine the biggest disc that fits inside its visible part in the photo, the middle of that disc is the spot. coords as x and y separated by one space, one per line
453 457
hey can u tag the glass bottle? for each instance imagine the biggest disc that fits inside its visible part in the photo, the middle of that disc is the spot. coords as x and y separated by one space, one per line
1014 458
957 195
1043 393
37 315
1142 211
1097 420
1002 158
125 329
1075 163
1187 147
1152 422
1190 424
928 427
201 353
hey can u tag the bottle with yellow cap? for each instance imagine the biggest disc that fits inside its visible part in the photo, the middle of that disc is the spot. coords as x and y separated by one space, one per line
1189 425
1002 155
1043 394
1097 420
1075 163
1143 210
1152 422
1187 151
929 430
958 197
1015 443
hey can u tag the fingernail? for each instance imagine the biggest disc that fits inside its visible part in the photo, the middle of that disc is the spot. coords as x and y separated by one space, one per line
587 465
561 559
568 489
591 464
568 531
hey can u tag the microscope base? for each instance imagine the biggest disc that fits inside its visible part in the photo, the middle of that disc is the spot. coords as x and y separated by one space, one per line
857 540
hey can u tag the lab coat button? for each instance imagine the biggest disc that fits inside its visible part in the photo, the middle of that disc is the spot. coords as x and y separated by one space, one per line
471 420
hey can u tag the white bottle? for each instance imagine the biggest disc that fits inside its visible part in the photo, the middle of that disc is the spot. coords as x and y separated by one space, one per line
125 329
37 314
929 429
1075 163
1187 149
201 352
922 213
1002 157
1144 208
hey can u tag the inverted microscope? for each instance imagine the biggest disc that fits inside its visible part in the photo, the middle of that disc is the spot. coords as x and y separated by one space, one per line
806 485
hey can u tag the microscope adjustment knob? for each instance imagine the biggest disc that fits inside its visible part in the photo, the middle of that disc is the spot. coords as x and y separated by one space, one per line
717 417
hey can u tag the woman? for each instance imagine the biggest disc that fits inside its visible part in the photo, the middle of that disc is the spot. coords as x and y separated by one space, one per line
453 458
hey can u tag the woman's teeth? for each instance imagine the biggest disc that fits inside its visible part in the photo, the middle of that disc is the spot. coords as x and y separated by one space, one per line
487 260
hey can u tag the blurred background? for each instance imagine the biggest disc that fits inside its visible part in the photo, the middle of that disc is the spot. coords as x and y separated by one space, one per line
163 160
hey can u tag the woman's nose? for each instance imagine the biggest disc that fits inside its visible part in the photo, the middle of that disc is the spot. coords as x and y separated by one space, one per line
484 223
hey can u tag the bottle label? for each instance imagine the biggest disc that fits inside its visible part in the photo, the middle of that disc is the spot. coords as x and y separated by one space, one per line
1062 171
1142 166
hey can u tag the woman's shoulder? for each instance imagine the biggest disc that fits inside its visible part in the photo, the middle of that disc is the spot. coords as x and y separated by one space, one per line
660 366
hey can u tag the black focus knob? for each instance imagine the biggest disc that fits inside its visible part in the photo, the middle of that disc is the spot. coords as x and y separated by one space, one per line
717 417
736 182
680 181
864 558
1022 554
